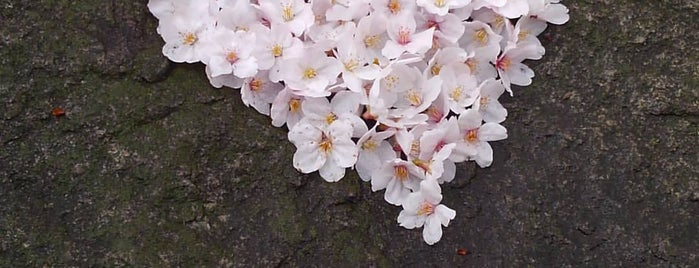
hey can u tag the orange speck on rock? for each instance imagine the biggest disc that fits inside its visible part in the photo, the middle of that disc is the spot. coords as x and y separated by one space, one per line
58 112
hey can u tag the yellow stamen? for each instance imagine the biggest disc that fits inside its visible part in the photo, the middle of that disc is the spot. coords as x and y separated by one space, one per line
330 118
499 21
522 34
471 135
287 13
294 105
309 73
189 39
415 149
369 145
481 36
414 98
325 144
436 69
391 81
277 50
425 209
439 3
472 63
255 84
401 172
403 36
483 103
371 41
456 93
394 6
424 165
351 65
231 57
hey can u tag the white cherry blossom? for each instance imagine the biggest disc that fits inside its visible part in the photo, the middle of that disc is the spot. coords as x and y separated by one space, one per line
423 209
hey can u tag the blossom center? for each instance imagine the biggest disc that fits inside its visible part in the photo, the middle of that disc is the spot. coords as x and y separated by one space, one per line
277 50
394 6
231 57
483 103
424 165
434 114
294 105
255 84
522 34
425 209
391 82
189 39
436 69
330 118
371 41
456 93
325 144
369 145
471 135
309 73
401 172
439 3
351 65
472 63
287 13
503 63
415 149
403 36
414 98
481 36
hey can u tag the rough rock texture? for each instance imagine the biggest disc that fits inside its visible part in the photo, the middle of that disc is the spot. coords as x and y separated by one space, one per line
150 166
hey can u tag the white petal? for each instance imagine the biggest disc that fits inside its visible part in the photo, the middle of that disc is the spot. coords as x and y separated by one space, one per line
431 191
445 214
307 159
492 132
331 172
344 152
396 192
432 231
409 220
485 154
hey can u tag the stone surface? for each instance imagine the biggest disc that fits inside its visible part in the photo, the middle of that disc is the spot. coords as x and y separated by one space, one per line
150 166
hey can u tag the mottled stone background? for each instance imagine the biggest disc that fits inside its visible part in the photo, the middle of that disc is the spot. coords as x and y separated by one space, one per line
150 166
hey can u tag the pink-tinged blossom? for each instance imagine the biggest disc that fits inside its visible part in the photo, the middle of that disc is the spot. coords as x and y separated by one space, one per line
549 10
329 151
441 7
343 106
230 52
459 89
448 27
374 150
311 75
487 103
423 209
476 135
403 38
296 14
259 92
370 37
185 33
527 29
393 8
238 15
510 67
273 46
286 109
398 177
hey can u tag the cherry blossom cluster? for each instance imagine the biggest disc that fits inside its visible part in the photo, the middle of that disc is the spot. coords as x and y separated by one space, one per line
399 90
